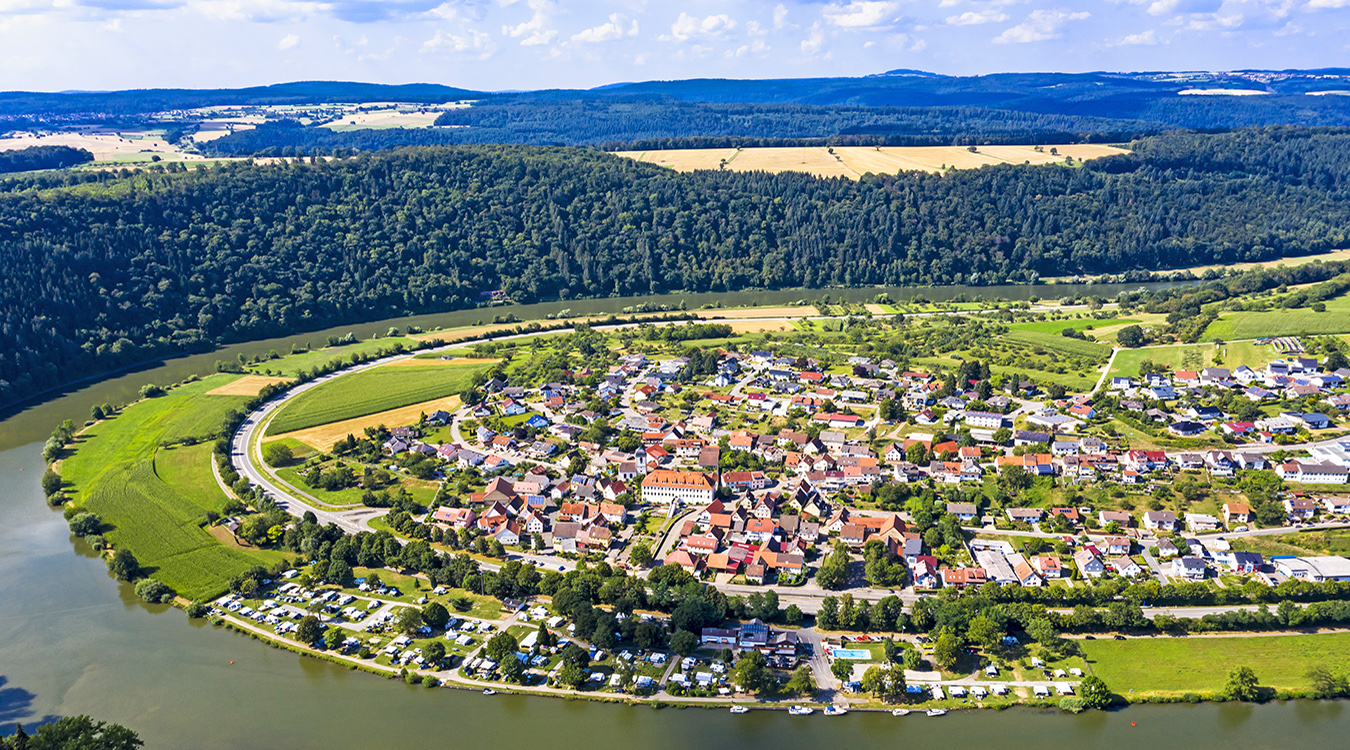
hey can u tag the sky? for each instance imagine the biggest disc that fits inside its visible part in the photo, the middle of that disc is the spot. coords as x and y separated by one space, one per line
492 45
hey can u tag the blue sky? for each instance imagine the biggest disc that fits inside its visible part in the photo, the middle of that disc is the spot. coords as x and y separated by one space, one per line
528 44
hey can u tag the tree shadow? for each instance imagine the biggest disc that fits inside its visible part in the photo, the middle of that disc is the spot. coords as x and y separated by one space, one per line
16 704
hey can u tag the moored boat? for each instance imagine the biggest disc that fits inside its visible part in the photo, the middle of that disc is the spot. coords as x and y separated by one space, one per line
739 710
937 712
801 711
900 712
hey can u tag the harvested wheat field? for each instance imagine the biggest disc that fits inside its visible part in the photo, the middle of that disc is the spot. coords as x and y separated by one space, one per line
759 326
249 385
414 362
324 437
793 311
854 161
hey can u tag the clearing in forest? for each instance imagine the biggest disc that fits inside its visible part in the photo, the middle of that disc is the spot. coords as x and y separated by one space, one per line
855 161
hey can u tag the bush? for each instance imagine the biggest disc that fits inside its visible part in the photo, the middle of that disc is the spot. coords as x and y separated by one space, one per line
153 591
51 482
430 681
196 609
85 524
150 390
277 455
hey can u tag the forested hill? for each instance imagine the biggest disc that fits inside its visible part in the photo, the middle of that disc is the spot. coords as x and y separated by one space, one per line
111 269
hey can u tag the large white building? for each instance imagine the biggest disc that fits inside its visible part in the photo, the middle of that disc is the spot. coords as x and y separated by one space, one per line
1314 568
688 487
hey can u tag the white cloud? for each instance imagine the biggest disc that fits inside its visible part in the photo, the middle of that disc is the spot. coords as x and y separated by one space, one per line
757 47
468 40
688 27
861 14
814 41
617 28
780 13
288 42
1143 38
973 17
1169 7
1329 4
1040 26
537 30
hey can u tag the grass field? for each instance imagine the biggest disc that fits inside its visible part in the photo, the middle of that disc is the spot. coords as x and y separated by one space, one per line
1175 665
1300 321
1056 342
291 364
1330 542
1078 324
371 392
154 499
1195 356
855 161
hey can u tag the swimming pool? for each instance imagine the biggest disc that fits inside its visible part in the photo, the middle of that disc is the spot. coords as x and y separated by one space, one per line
852 653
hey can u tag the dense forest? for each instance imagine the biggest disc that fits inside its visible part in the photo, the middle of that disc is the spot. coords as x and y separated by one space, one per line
613 123
115 268
42 157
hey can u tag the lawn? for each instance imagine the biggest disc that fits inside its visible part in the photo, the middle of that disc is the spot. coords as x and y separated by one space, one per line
1176 665
423 491
371 392
1330 542
153 500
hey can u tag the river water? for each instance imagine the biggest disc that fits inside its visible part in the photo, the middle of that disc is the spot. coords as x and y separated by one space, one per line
73 640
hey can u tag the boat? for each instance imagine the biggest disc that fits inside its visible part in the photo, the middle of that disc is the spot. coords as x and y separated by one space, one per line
937 712
489 691
801 711
740 710
900 712
835 711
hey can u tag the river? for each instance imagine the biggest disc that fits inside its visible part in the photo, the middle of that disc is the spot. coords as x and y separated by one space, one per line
73 640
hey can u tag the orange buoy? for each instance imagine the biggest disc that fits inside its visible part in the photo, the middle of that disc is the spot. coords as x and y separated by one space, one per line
1131 723
231 661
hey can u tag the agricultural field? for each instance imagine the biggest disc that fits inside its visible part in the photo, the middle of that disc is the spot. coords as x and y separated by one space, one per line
290 365
323 437
249 385
854 161
372 392
1078 324
1056 342
153 499
1236 326
1176 665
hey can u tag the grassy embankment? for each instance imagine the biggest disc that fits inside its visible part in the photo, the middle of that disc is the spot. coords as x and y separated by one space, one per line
1172 666
371 392
153 498
1302 321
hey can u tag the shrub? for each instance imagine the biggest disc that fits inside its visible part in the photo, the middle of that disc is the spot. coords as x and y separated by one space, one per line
153 591
150 390
85 524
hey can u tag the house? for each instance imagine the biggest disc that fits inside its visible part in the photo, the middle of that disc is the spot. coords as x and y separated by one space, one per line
1189 567
1118 517
1339 506
963 577
924 572
455 518
688 487
1048 566
964 512
984 419
1247 562
1236 513
1186 428
1027 575
1167 548
1300 507
1310 420
689 562
853 535
1126 567
1200 522
1025 515
1312 473
1160 520
1088 563
1117 546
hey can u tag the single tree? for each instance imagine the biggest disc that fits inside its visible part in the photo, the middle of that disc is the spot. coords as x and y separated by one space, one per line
1242 685
500 647
752 673
308 631
683 642
435 615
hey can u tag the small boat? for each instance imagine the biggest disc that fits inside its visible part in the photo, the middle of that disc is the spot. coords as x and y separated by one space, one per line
900 712
489 691
937 712
740 710
835 711
801 711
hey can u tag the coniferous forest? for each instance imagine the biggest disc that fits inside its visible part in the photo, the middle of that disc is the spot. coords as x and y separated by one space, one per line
101 270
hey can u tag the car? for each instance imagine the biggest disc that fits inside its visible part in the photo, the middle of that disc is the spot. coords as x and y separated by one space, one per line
1240 528
1090 637
1120 637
